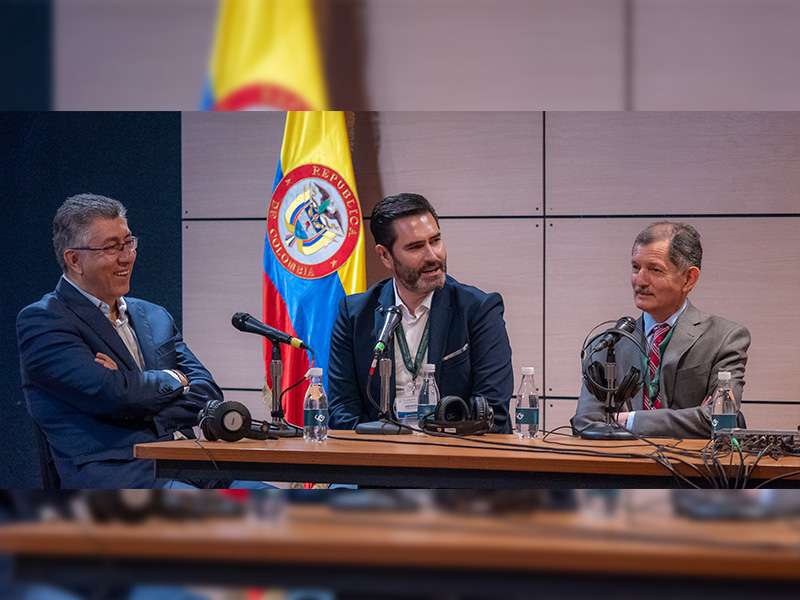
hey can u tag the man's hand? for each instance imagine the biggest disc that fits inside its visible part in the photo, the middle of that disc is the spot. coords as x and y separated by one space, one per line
622 418
105 361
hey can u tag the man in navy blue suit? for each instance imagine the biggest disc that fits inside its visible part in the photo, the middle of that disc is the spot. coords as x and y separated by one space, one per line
101 371
456 327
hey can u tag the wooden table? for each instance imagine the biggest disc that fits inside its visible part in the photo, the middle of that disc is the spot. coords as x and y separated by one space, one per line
427 461
637 553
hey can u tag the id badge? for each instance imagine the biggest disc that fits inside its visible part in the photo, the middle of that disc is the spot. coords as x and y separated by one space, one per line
405 404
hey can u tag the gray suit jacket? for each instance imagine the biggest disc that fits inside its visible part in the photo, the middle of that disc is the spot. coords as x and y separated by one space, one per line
701 346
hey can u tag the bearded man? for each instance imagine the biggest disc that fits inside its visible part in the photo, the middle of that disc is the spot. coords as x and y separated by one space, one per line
456 327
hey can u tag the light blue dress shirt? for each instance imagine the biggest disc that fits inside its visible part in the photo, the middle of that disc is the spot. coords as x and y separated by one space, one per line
649 325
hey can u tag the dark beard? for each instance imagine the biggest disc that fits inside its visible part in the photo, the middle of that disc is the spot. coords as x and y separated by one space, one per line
410 278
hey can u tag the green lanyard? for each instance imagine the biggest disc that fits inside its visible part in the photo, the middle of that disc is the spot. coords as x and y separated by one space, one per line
413 368
654 385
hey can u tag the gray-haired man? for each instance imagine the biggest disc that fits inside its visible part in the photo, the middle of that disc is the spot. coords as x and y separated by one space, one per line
101 371
686 347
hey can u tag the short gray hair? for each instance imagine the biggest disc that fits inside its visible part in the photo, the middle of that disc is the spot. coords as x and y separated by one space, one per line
73 217
685 249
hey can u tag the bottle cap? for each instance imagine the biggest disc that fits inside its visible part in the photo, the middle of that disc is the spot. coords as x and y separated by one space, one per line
527 370
428 368
314 372
724 376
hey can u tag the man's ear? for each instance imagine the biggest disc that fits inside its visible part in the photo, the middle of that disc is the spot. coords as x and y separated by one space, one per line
385 256
72 262
692 275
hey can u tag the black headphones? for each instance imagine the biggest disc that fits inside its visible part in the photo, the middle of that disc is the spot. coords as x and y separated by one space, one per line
595 379
457 416
230 421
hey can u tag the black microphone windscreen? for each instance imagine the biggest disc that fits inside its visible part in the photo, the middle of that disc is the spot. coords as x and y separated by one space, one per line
239 319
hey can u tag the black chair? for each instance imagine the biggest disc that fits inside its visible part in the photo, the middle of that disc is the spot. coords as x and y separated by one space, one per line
47 467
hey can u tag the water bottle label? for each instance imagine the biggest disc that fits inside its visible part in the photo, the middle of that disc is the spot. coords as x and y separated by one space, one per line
315 416
724 421
526 416
423 410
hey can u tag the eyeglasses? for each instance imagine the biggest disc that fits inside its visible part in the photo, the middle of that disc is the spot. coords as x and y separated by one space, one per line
129 245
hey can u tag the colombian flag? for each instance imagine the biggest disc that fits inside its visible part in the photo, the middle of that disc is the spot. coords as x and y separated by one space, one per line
265 55
314 247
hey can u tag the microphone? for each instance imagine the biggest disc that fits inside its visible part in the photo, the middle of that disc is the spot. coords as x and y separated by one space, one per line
611 337
390 323
249 324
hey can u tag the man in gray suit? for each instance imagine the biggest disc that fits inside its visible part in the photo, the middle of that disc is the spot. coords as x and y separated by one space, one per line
686 347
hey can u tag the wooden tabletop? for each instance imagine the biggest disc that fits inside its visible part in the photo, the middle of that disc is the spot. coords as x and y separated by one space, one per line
632 543
555 454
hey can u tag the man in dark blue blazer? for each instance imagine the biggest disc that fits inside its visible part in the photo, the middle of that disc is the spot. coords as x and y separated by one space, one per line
100 371
456 327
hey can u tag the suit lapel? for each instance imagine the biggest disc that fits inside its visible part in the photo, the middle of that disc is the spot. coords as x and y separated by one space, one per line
144 333
687 329
96 320
629 357
439 318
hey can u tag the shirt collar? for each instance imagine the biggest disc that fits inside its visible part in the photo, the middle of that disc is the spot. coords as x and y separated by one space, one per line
650 322
122 307
424 306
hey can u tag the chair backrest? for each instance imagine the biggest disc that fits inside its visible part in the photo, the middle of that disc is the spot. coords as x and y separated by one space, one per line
47 466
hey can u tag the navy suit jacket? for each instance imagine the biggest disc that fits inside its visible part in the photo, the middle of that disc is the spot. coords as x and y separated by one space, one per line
93 416
468 344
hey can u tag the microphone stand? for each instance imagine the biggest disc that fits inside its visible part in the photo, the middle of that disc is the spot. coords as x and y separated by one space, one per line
279 426
610 430
383 425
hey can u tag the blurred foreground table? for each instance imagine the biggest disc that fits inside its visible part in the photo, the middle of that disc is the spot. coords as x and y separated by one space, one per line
476 462
637 553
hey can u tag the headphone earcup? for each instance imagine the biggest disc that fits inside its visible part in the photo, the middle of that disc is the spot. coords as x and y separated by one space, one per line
595 374
482 412
232 421
630 385
207 420
452 409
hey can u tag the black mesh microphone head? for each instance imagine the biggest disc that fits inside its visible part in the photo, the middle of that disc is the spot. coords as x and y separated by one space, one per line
239 319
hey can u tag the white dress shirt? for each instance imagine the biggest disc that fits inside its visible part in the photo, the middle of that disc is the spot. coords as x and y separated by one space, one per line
123 327
413 327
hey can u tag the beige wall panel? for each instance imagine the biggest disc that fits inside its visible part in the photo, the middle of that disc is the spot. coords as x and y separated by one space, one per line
120 55
222 274
558 413
749 276
678 163
715 54
472 55
478 254
229 162
772 416
481 163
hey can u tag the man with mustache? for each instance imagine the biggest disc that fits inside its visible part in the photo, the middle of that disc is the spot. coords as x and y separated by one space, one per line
102 371
686 347
456 327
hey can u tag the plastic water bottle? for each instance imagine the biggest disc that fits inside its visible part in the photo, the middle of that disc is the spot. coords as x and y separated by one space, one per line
315 408
525 406
724 407
428 396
